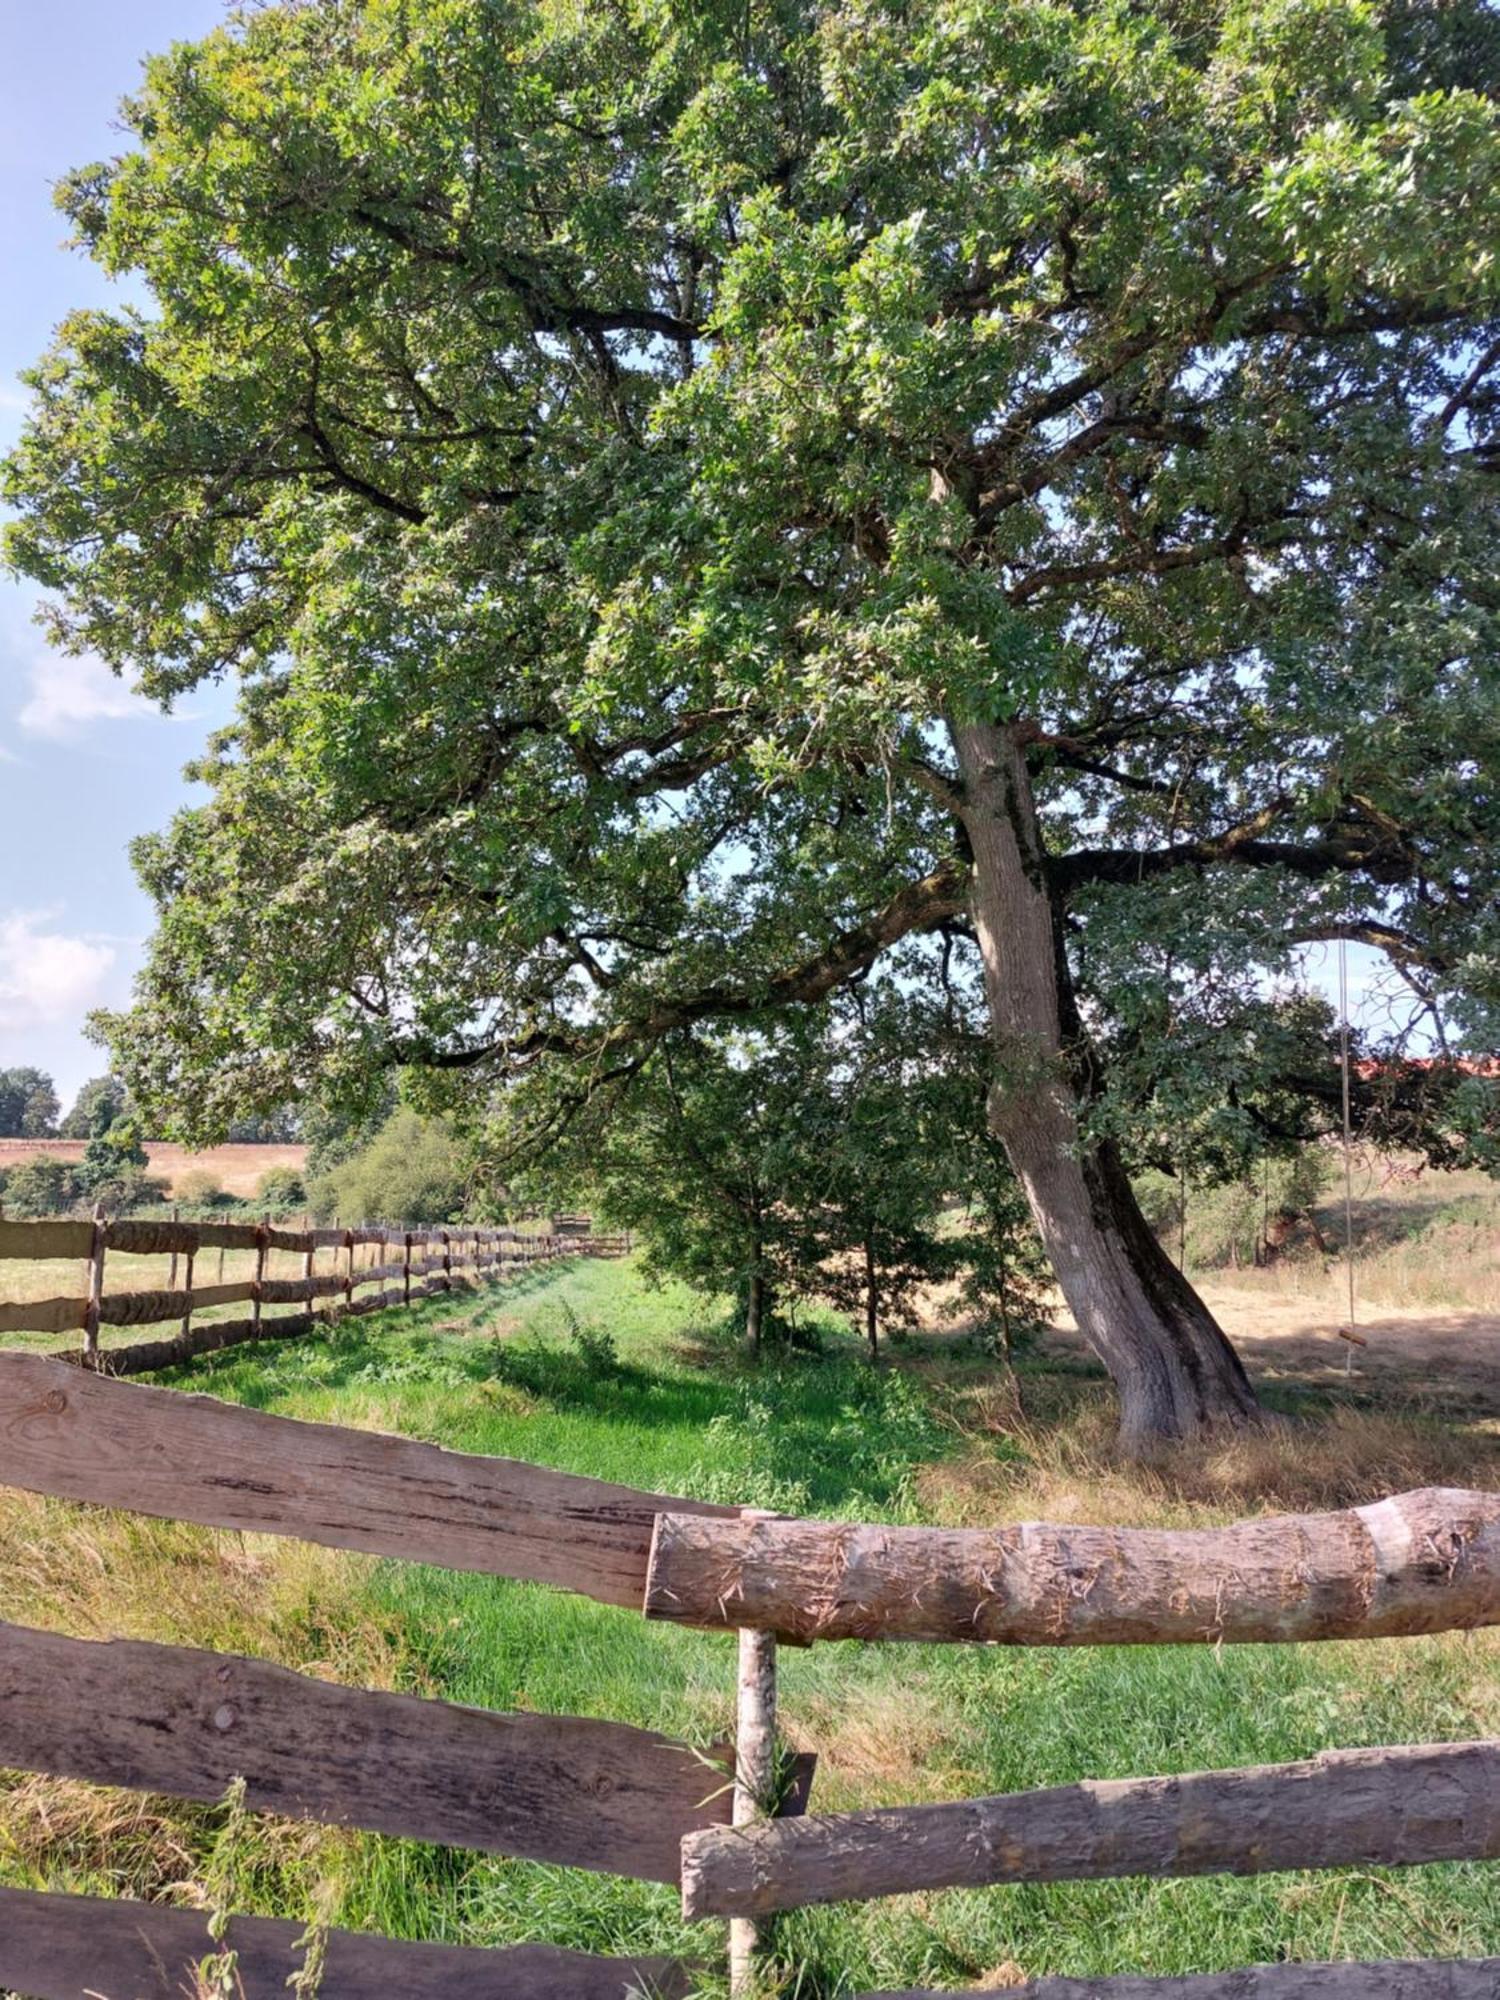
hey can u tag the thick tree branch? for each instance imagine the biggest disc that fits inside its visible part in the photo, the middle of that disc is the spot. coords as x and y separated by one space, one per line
919 906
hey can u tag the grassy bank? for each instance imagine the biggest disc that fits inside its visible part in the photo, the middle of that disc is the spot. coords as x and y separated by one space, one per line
584 1368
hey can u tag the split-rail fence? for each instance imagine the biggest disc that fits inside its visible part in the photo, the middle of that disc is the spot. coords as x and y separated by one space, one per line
732 1830
338 1267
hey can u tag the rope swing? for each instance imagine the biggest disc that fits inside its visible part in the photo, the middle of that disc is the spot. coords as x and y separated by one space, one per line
1349 1333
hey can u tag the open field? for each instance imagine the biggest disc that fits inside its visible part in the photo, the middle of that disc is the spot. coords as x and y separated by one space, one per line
238 1168
937 1435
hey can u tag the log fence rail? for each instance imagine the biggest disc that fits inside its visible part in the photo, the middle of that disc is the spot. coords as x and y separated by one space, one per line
600 1795
407 1263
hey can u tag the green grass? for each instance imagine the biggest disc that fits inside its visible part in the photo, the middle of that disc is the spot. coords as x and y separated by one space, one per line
594 1373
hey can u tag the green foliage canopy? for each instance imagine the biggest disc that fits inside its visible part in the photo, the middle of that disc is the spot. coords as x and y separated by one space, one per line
28 1104
613 446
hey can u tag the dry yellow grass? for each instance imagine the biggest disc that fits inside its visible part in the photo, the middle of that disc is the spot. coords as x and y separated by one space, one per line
238 1168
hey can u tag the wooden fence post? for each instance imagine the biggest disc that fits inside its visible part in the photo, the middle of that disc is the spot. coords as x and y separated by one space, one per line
754 1774
187 1286
261 1247
96 1285
447 1260
172 1273
406 1267
348 1270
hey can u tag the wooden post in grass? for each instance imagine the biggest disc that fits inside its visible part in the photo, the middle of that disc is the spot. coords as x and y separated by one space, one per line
406 1267
96 1285
172 1273
261 1246
348 1270
187 1287
754 1776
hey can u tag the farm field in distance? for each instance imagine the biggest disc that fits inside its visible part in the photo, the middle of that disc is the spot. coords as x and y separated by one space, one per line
238 1168
584 1367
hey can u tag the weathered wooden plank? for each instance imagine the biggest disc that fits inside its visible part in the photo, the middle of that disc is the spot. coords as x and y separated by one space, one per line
230 1235
190 1458
1376 1808
1389 1979
291 1239
171 1719
205 1296
372 1272
80 1947
142 1308
1423 1562
287 1291
43 1316
144 1357
152 1239
42 1240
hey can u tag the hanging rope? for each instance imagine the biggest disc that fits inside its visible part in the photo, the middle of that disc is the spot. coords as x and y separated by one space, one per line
1352 1331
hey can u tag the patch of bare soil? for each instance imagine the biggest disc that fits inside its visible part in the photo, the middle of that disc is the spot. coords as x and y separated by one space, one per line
1447 1359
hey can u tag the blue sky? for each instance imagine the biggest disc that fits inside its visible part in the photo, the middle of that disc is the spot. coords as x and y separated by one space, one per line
84 765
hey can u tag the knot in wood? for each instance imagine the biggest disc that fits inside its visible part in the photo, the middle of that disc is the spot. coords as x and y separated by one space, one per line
225 1717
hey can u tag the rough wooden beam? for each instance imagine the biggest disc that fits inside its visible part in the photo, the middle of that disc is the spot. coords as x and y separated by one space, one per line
32 1241
1423 1562
79 1436
1410 1979
80 1947
173 1719
1367 1808
144 1357
43 1315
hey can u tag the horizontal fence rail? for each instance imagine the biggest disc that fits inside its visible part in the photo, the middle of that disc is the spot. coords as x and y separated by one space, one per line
417 1263
600 1795
193 1458
62 1947
171 1719
1379 1808
1389 1979
1423 1562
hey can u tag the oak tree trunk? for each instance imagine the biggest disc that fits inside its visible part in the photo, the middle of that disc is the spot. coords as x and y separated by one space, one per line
1176 1374
755 1311
872 1300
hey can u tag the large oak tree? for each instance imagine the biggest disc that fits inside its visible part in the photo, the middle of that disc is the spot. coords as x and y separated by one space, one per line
702 496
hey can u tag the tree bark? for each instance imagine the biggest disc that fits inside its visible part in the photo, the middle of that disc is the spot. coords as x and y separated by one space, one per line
872 1300
755 1312
1381 1808
1176 1374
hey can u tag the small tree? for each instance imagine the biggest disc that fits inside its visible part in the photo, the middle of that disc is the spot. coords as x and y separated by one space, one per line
281 1188
101 1096
693 1150
415 1169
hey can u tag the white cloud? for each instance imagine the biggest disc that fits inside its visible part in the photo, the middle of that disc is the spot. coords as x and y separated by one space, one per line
68 693
46 975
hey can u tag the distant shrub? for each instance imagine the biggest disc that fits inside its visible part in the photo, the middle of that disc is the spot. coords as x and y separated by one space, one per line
199 1187
413 1170
281 1188
41 1186
128 1189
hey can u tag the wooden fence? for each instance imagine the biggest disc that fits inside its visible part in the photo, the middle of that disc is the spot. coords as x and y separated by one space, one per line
405 1263
596 1794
